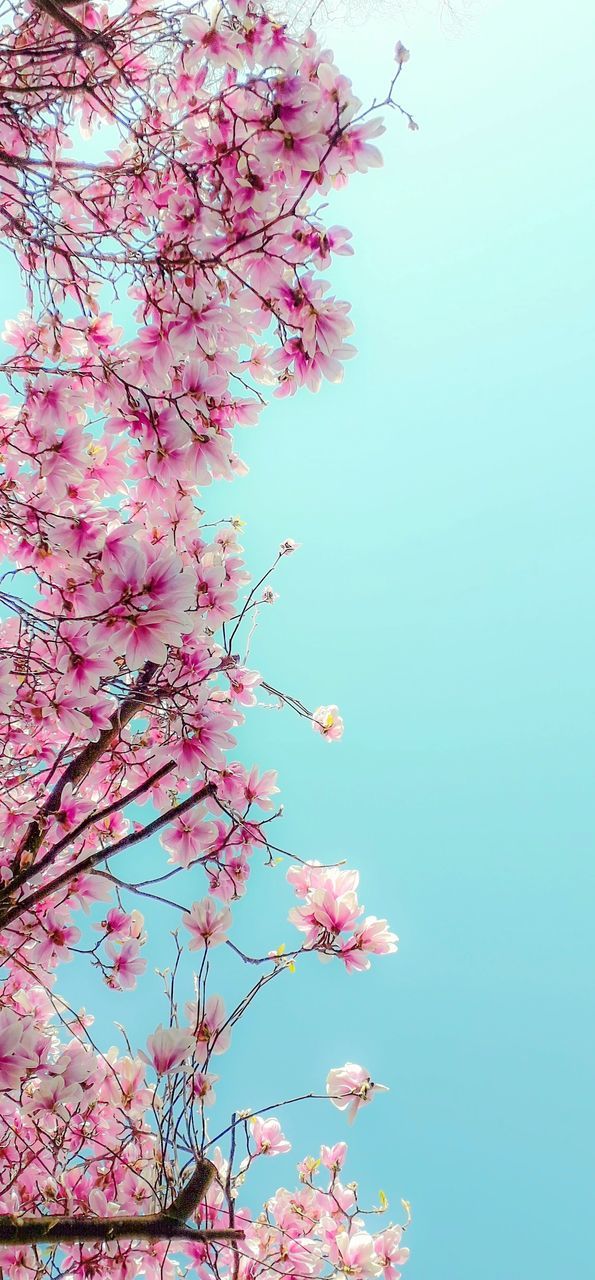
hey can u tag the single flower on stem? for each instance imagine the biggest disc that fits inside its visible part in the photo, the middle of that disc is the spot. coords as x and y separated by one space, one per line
351 1087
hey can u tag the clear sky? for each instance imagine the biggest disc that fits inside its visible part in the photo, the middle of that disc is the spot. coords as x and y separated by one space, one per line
443 596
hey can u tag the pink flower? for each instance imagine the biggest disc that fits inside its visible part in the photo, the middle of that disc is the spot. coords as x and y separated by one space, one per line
375 936
333 1158
355 1255
208 1027
268 1137
56 939
116 923
207 926
258 790
243 683
16 1049
202 1087
168 1048
351 1087
389 1251
127 965
328 722
188 837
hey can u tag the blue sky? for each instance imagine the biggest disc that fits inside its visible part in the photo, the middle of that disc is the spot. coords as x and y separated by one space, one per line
443 597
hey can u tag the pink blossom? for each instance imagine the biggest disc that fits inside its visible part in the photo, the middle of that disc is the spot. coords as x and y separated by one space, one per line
208 1026
168 1048
207 926
334 1157
188 837
351 1087
328 722
56 939
391 1254
355 1254
127 965
16 1049
202 1087
259 790
268 1137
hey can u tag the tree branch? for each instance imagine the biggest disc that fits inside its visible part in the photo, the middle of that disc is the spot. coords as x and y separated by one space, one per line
64 1230
190 1196
80 766
76 28
169 1224
90 821
87 864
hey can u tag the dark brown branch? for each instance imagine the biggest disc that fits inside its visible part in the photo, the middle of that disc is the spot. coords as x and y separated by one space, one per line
80 766
169 1224
83 826
88 864
64 1230
188 1199
76 28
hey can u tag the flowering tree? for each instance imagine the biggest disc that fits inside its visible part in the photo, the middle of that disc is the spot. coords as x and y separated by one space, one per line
173 156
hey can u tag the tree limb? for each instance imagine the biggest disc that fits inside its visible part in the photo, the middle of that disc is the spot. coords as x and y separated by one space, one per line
64 1230
80 766
88 864
90 821
76 28
169 1224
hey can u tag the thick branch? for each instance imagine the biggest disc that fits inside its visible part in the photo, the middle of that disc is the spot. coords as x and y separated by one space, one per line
170 1224
64 19
189 1198
64 1230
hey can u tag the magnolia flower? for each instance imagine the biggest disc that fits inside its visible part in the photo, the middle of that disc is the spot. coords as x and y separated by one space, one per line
328 722
355 1255
333 1158
17 1054
207 926
289 546
127 965
389 1251
268 1137
401 54
202 1087
351 1087
168 1048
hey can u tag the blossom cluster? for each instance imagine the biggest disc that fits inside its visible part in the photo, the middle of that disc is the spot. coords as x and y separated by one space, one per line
77 1131
170 278
330 916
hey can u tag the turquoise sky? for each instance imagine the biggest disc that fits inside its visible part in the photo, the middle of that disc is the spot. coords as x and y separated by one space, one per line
443 597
